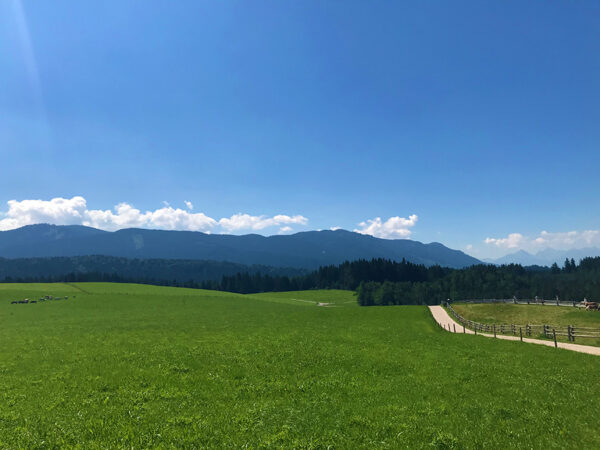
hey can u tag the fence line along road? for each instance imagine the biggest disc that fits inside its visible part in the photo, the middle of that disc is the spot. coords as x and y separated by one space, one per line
549 331
528 301
448 324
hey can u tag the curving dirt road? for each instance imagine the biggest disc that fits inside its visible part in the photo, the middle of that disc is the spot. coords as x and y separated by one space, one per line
442 317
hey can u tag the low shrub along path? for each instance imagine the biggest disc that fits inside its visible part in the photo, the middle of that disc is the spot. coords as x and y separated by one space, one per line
446 322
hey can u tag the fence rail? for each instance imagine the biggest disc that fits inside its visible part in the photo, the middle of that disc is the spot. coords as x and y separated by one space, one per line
549 331
528 301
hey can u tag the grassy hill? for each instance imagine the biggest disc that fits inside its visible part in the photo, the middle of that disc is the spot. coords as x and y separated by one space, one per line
142 366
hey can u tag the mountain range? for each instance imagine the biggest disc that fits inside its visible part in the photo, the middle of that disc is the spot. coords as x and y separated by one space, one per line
545 257
307 250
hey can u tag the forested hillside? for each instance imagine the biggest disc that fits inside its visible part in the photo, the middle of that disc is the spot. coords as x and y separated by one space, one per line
571 282
383 282
109 268
377 281
348 275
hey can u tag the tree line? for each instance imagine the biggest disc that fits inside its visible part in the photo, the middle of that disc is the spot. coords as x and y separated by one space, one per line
348 275
376 281
571 282
205 274
174 272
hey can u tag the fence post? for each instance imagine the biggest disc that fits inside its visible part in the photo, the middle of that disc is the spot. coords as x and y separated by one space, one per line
464 329
554 333
494 330
521 333
454 326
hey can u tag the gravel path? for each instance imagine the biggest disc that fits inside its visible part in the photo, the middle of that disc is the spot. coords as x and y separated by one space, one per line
442 317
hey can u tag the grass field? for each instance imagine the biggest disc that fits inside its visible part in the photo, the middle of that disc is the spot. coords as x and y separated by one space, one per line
139 366
507 313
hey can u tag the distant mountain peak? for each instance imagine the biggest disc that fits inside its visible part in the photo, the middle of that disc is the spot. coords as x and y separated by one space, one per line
546 257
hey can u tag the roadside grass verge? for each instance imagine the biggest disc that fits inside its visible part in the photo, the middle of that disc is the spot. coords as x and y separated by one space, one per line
507 313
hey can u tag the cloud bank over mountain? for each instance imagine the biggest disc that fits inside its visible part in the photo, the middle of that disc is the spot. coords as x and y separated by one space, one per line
74 211
547 240
393 228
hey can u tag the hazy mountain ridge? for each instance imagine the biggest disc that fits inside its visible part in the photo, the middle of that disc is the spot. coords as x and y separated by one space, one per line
308 250
545 257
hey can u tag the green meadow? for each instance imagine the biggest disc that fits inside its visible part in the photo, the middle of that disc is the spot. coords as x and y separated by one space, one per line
141 366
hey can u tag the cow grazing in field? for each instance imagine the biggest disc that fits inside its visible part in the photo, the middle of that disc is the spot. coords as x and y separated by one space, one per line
589 306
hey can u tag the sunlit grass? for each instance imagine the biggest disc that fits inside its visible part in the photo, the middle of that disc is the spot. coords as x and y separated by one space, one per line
507 313
140 366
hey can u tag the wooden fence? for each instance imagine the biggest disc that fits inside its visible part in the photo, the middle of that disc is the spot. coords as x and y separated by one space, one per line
529 301
529 330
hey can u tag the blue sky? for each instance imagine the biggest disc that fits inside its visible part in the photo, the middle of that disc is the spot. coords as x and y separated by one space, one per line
461 121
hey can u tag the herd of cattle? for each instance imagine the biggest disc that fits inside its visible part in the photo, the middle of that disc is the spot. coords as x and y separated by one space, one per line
590 305
42 299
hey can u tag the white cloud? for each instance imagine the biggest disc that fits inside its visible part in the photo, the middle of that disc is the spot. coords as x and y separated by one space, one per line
60 211
514 240
189 205
167 218
248 222
335 228
469 247
559 240
74 211
393 228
